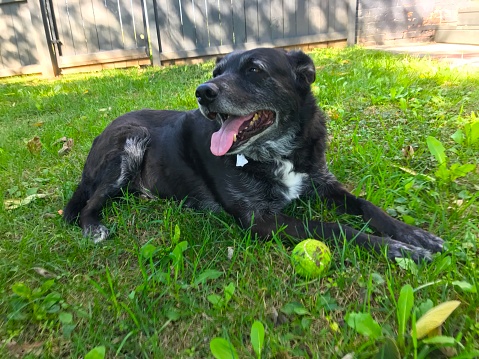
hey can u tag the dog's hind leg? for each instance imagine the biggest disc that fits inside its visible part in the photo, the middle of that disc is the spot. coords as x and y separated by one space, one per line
112 163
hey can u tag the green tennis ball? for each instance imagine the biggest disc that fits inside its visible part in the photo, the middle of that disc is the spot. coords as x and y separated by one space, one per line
311 258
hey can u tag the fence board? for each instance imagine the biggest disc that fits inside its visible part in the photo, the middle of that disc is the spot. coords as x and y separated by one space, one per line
48 64
341 16
331 14
201 24
162 24
63 25
252 28
189 31
9 49
139 35
88 19
127 24
216 50
277 15
324 22
21 34
226 15
302 18
239 21
264 20
77 31
315 16
108 25
94 32
289 10
175 24
215 33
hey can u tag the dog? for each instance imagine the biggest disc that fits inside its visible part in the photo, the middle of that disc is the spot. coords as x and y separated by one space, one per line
256 142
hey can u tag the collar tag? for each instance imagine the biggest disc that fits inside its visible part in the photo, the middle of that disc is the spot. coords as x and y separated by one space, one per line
241 160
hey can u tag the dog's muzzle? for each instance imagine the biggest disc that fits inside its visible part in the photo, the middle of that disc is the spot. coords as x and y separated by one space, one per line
206 93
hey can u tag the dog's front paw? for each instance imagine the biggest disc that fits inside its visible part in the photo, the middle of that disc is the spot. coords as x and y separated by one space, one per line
419 238
396 249
97 233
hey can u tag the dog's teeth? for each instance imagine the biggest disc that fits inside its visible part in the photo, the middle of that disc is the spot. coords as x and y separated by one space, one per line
255 117
234 137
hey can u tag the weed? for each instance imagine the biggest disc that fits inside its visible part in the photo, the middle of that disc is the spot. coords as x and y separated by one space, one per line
223 349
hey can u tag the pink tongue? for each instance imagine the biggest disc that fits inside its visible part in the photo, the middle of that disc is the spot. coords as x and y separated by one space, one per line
222 140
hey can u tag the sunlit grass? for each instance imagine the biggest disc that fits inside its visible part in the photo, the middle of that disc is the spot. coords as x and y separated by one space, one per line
129 295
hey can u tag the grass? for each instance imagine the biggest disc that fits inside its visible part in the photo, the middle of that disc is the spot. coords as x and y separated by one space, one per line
170 279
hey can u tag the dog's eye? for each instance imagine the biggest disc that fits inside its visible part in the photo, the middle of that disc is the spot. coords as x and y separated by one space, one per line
254 69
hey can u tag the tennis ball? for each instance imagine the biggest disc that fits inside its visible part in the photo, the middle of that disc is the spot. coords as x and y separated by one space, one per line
311 258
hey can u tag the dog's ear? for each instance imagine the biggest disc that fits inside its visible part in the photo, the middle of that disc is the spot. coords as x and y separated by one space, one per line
303 66
218 59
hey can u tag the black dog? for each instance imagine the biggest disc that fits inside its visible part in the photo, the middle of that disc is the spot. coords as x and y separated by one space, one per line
256 143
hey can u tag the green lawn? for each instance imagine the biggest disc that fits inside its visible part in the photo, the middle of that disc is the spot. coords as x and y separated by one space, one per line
170 279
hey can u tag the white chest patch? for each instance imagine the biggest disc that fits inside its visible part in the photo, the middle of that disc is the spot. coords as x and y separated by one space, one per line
292 180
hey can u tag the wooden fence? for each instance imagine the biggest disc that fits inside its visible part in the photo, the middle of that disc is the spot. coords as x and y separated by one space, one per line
58 36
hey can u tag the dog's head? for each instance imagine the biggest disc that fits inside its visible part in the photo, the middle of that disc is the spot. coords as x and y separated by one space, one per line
257 97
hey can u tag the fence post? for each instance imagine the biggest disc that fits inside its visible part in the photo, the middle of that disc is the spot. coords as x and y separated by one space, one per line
48 60
352 12
151 19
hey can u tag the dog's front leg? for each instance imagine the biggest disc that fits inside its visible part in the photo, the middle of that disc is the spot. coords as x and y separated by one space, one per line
381 221
263 226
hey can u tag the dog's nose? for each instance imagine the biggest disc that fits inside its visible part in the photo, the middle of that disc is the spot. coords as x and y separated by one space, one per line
206 93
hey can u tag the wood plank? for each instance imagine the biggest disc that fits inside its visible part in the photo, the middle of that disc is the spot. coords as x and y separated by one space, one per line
340 16
215 33
239 21
1 58
292 41
141 38
252 26
189 31
264 20
107 24
289 11
5 2
315 17
21 33
26 20
45 53
127 23
163 27
89 26
63 26
99 67
201 23
277 17
331 15
226 15
24 70
103 57
302 18
9 49
176 29
153 31
352 11
2 40
77 31
324 20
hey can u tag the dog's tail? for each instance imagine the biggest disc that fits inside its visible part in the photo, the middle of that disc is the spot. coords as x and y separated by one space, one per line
76 204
